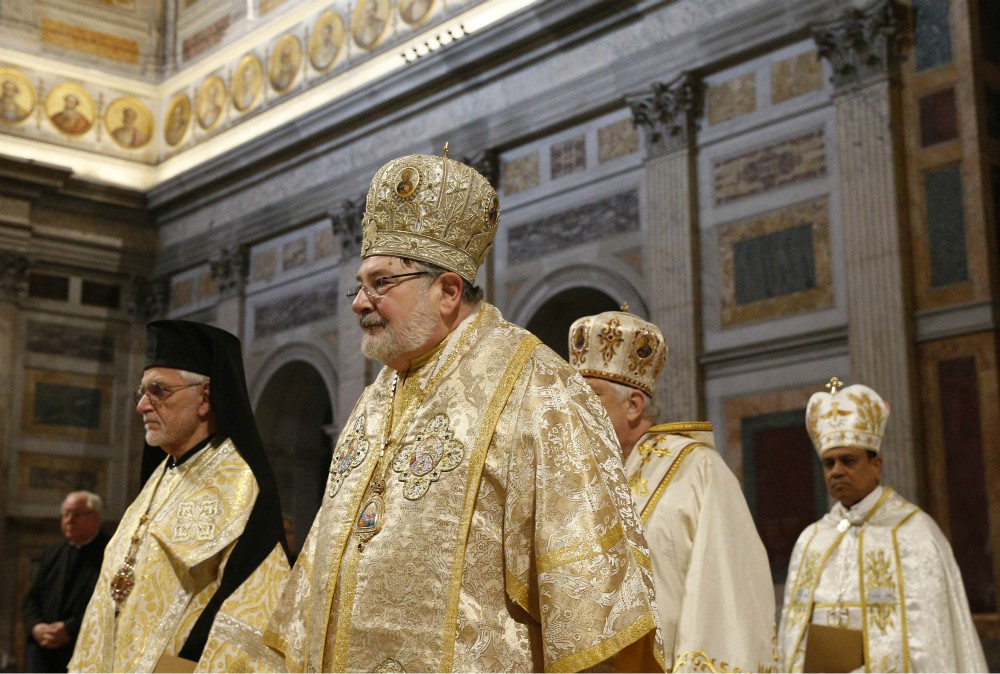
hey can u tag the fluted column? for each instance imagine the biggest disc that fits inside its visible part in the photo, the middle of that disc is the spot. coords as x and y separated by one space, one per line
667 115
861 50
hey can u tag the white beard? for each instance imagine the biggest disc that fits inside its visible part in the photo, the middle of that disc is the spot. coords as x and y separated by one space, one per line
391 341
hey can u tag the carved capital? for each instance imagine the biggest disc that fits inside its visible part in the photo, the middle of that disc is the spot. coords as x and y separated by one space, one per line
862 45
148 297
13 274
228 266
668 114
347 226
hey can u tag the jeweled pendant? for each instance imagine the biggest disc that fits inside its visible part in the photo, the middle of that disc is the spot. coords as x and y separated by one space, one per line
122 583
369 520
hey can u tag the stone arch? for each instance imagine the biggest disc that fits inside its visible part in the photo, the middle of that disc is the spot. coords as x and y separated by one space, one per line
294 396
559 298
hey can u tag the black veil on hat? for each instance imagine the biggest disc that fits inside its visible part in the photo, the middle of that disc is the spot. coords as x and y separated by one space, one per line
215 353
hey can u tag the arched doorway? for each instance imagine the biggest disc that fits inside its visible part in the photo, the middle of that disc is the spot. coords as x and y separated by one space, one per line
550 323
294 416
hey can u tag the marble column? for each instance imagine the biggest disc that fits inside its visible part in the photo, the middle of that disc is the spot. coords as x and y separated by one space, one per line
13 283
667 115
861 50
228 266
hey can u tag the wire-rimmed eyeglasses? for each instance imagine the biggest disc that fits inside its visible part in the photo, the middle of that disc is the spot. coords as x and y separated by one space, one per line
157 392
382 286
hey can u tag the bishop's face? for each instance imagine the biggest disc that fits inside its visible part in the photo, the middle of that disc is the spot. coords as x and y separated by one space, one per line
400 317
850 474
174 413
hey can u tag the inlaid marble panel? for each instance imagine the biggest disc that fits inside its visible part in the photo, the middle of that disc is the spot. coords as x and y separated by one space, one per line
287 312
732 98
776 264
790 161
208 287
796 76
932 33
47 478
294 254
181 293
938 118
568 157
597 220
66 405
615 140
87 41
205 39
74 342
946 226
325 243
264 265
520 174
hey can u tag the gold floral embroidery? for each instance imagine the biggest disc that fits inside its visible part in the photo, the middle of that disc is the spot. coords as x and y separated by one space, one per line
637 483
611 338
870 413
435 451
698 661
801 597
197 520
880 589
353 451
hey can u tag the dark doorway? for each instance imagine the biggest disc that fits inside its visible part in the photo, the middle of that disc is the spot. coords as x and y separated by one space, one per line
552 320
292 412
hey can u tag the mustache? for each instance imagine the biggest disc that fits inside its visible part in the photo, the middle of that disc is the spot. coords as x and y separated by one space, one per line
371 321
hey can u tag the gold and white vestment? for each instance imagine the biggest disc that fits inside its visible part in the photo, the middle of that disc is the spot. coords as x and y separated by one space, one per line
885 568
508 541
186 525
713 582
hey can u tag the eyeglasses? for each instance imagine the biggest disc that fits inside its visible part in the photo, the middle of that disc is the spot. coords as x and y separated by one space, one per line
157 392
382 286
73 514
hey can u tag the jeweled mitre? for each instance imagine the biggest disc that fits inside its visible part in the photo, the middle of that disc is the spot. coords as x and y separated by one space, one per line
431 209
854 416
620 347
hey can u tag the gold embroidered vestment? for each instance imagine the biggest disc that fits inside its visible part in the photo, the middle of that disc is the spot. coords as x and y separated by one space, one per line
713 581
507 540
196 514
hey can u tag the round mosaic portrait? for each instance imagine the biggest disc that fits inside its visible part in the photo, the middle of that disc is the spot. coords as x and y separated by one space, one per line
285 63
415 12
326 40
368 24
129 123
247 83
70 109
17 97
178 119
210 103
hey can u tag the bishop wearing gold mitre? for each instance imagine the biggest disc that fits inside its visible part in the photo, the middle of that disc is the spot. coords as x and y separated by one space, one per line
874 584
476 516
713 583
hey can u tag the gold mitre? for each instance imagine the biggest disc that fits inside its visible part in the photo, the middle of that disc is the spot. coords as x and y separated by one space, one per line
854 416
431 209
619 347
